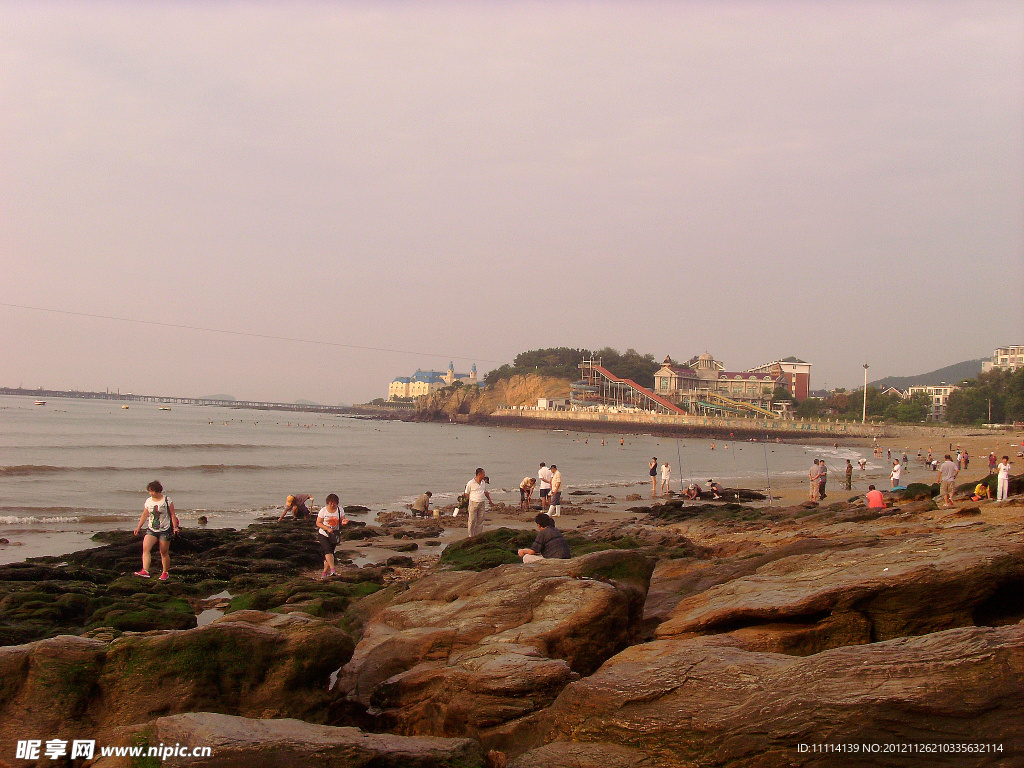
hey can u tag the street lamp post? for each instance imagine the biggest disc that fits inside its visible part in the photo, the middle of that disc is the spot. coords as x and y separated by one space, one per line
864 413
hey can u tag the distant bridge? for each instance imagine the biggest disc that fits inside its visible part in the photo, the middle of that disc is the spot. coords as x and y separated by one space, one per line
43 394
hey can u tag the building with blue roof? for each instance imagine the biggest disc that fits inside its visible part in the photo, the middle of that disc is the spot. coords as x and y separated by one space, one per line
424 382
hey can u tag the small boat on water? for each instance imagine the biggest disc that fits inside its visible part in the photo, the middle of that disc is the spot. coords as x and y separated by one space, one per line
125 407
40 402
163 408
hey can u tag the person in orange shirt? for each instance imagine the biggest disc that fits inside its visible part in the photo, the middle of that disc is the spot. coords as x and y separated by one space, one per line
874 497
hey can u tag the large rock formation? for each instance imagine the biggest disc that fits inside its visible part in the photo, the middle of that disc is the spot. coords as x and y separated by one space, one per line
809 601
703 701
286 743
249 663
515 391
464 653
759 631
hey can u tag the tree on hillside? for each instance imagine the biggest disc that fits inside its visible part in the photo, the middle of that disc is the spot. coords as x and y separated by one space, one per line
564 363
629 365
1004 390
557 362
914 409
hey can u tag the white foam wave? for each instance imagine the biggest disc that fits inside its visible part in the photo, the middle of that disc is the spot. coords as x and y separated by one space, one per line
33 520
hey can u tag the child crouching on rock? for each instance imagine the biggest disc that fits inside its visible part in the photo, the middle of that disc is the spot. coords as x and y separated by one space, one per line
549 544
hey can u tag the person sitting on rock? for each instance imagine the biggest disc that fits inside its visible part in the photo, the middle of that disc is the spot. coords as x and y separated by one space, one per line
715 489
549 544
692 492
875 499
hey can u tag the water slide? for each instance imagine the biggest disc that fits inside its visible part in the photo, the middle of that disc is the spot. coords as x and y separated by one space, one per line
736 405
640 393
656 402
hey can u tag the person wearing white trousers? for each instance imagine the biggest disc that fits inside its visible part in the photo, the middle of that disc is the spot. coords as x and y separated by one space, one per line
1003 478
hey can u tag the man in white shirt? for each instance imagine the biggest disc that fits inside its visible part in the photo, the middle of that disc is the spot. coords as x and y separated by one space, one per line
544 476
556 492
477 491
1003 478
947 480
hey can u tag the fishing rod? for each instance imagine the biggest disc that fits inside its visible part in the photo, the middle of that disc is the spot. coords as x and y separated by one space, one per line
735 466
679 463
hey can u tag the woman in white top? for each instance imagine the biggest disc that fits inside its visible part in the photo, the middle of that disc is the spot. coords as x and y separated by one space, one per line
329 521
897 470
666 478
1003 478
161 524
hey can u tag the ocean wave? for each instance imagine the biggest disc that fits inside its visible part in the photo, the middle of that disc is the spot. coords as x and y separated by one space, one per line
52 510
165 446
28 470
32 520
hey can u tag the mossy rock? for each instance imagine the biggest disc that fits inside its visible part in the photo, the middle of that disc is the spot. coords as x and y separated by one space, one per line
992 481
620 566
141 615
326 598
43 598
581 545
917 491
226 667
487 550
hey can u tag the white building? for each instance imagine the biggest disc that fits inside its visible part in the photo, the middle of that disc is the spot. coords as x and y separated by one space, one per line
424 382
940 399
553 404
1006 359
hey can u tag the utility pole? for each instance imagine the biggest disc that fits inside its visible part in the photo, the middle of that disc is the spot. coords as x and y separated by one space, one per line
864 413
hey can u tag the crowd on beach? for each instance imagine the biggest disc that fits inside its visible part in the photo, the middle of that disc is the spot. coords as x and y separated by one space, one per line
947 472
159 522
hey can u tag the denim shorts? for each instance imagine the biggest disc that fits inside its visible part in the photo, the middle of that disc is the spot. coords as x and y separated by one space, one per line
162 535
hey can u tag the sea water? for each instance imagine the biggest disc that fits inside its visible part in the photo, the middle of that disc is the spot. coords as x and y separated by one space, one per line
73 467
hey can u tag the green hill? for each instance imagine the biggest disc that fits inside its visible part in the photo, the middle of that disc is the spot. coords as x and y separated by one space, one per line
951 374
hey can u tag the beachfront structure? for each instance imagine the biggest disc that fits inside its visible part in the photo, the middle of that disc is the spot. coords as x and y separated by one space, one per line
702 385
894 391
795 373
939 396
552 403
426 382
1005 359
599 389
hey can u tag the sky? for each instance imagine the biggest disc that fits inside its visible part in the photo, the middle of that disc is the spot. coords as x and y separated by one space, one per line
284 201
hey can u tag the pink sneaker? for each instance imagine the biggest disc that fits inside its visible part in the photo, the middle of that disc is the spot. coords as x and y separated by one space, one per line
163 576
143 574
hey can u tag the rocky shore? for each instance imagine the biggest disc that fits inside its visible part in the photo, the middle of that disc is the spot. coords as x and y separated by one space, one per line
679 634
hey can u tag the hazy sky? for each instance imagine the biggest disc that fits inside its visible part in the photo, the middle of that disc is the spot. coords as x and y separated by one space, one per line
839 181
